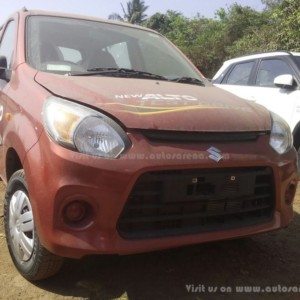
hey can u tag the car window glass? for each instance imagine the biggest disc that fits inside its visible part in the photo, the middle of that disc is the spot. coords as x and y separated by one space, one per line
297 60
71 55
7 43
240 74
120 54
271 68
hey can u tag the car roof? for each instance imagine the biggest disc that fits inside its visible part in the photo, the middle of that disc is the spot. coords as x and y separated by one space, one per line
261 55
26 12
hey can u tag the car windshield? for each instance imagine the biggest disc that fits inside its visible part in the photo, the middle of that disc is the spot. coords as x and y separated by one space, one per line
65 46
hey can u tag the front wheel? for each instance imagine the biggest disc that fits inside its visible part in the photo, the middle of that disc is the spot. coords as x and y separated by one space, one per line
33 261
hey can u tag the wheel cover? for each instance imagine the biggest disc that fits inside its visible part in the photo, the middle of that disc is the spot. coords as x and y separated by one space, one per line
21 226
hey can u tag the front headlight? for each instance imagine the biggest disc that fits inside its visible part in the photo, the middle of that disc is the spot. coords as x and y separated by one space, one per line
83 129
281 139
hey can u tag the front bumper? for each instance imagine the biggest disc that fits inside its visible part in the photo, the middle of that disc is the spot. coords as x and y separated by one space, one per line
59 175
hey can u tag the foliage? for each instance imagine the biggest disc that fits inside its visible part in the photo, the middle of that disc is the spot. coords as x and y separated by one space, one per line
134 12
271 3
234 31
287 18
280 32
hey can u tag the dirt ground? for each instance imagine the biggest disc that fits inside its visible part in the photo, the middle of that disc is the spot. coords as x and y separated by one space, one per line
265 260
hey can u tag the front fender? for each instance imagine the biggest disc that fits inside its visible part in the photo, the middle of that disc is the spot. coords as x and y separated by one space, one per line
21 135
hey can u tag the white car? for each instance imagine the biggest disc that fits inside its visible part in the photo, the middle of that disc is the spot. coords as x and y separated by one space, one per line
270 79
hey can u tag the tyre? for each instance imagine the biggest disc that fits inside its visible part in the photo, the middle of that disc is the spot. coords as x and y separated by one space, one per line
33 261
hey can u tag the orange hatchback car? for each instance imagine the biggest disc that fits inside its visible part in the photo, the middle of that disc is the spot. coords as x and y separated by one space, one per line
112 142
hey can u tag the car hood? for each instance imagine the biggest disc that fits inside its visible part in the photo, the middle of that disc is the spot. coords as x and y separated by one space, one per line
160 105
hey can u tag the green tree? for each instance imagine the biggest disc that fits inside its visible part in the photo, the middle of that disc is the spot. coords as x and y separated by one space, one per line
239 21
207 41
237 30
271 3
286 16
134 12
280 31
159 22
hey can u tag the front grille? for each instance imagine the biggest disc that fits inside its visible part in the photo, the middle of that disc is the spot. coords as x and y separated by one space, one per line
172 203
200 137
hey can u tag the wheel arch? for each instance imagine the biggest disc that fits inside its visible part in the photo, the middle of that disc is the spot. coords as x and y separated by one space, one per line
13 162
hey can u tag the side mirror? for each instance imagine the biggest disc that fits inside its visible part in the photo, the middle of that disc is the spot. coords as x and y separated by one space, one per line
284 81
4 72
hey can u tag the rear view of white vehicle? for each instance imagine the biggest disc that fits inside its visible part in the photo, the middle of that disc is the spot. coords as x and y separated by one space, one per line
270 79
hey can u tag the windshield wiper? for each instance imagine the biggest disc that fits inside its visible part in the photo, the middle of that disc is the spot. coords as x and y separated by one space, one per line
118 72
189 80
131 73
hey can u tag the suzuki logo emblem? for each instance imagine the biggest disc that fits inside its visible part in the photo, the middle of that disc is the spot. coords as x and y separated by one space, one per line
215 154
